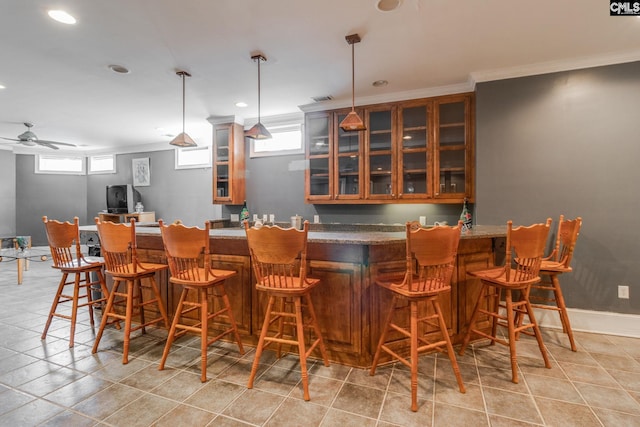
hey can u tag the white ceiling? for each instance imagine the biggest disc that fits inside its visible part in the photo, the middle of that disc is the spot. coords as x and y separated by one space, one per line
57 76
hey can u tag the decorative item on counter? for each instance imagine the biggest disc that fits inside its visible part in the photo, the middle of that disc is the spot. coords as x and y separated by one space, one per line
244 213
296 222
139 207
465 217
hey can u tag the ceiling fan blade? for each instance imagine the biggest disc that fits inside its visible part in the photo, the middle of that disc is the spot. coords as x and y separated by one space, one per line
48 144
10 139
39 141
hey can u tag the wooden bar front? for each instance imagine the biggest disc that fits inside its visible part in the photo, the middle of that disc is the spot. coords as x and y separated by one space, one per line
350 307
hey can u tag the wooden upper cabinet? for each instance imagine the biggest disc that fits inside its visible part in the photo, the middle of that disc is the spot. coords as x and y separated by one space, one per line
418 151
454 148
228 164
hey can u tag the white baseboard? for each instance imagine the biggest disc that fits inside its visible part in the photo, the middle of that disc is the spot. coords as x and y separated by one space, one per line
600 322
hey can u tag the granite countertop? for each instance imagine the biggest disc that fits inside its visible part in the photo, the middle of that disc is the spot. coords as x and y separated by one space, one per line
367 236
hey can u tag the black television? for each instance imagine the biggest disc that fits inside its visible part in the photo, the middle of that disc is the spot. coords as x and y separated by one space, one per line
122 199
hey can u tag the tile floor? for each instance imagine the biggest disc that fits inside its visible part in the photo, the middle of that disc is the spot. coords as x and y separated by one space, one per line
46 383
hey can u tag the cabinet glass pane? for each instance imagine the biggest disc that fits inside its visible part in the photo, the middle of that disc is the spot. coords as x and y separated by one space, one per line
319 177
451 182
348 174
452 113
380 130
318 134
414 127
452 171
453 135
222 145
414 172
380 174
222 180
348 142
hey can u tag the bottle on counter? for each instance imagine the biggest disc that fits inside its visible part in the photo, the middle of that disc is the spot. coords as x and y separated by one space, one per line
465 217
244 213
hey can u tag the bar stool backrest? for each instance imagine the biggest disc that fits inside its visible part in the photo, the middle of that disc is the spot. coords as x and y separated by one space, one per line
187 249
118 246
278 255
64 240
525 247
431 257
567 235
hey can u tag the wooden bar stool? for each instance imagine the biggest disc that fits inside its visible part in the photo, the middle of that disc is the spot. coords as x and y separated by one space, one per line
279 259
189 258
525 247
558 262
431 258
64 243
118 246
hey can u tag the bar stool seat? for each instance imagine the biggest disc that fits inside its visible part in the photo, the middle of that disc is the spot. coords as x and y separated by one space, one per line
189 258
64 243
279 259
118 247
525 247
431 258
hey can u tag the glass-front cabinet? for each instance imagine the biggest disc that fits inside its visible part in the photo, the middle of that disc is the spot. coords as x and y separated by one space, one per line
380 157
228 164
348 158
418 151
414 158
454 151
319 154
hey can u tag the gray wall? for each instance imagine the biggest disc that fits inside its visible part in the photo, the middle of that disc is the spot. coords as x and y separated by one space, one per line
57 196
7 193
567 143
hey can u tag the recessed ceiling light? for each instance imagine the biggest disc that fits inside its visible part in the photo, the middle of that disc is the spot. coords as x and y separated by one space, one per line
2 87
62 16
119 69
388 5
380 83
241 104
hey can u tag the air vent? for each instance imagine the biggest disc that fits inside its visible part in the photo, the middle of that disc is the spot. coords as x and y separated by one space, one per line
322 98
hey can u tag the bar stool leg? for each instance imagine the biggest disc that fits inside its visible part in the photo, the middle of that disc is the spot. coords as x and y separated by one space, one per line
512 336
54 305
74 308
172 330
316 328
105 315
564 316
127 321
450 353
204 327
263 334
414 355
383 335
301 347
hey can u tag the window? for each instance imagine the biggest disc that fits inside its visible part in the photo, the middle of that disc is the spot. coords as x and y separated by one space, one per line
104 163
193 157
287 139
71 165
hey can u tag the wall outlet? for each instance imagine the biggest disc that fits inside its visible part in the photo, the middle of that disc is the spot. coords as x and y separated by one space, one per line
272 218
234 217
316 219
623 292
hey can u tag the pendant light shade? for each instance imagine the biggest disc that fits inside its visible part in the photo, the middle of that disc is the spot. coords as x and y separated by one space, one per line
258 131
183 140
352 122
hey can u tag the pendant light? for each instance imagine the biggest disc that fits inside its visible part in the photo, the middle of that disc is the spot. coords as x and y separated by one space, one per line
258 131
352 122
183 140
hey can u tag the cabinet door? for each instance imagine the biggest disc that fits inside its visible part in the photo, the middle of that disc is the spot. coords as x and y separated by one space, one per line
348 161
379 155
228 164
318 181
414 151
453 154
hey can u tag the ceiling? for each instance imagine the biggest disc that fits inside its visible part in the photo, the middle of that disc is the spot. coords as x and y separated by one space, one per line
57 76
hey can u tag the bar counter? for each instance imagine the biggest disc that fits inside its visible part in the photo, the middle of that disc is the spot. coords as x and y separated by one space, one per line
347 259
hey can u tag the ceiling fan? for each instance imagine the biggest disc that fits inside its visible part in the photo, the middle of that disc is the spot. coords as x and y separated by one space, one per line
30 139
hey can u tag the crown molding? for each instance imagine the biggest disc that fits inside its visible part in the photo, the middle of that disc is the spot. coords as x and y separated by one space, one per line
553 66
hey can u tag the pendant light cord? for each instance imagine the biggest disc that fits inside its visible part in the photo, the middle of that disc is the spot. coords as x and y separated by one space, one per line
353 78
183 103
